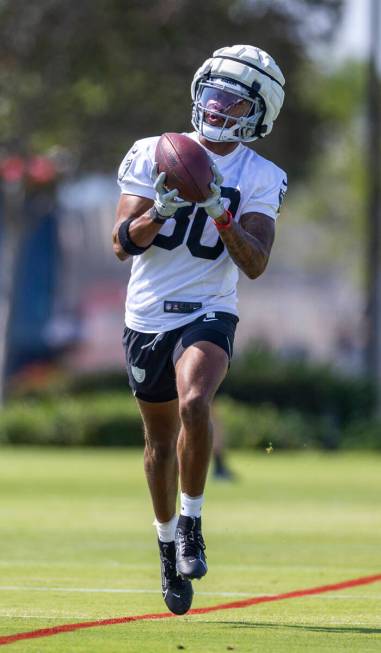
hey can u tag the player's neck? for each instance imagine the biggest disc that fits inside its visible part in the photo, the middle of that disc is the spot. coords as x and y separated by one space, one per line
218 148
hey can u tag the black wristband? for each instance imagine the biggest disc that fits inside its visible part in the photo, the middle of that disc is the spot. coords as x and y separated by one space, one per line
155 216
124 238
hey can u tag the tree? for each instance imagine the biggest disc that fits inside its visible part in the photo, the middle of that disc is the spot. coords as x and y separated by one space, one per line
93 76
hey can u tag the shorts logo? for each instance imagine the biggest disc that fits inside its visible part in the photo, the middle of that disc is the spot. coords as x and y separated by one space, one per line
138 374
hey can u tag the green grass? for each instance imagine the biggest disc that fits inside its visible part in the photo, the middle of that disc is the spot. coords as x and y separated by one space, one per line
82 519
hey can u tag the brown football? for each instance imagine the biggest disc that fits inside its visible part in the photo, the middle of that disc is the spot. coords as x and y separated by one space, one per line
186 165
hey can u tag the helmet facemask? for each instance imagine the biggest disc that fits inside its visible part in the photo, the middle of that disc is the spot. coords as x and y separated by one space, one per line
227 112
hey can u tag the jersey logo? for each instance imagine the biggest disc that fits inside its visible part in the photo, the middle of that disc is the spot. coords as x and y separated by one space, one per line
138 373
128 162
126 168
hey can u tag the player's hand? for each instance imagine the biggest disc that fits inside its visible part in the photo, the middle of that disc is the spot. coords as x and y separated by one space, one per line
166 202
214 205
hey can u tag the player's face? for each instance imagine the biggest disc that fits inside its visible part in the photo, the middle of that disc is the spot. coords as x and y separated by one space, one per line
218 104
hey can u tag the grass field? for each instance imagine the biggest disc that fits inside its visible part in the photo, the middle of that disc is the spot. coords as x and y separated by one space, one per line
76 544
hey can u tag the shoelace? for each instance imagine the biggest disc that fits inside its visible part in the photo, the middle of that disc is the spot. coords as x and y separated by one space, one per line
172 579
169 569
190 543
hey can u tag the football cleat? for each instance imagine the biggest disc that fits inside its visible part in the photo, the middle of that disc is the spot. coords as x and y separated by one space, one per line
177 592
190 547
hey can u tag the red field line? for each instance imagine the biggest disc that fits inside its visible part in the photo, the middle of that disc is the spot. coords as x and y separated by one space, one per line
66 628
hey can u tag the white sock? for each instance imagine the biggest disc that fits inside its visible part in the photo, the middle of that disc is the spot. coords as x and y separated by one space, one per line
166 531
191 506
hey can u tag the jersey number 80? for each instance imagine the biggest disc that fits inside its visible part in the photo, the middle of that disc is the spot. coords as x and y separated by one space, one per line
194 238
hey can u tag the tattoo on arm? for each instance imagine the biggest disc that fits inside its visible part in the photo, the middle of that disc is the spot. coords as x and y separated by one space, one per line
249 242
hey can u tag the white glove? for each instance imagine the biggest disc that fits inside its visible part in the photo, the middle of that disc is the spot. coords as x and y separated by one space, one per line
166 202
214 205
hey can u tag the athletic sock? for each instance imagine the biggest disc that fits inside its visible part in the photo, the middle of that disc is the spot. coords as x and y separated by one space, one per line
191 506
166 531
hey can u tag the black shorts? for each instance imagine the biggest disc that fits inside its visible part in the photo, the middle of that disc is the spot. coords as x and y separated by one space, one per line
151 357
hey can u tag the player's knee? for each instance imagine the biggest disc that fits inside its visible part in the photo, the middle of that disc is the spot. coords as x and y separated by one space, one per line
159 450
194 409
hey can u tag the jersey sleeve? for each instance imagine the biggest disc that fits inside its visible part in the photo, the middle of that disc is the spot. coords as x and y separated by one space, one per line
268 193
134 175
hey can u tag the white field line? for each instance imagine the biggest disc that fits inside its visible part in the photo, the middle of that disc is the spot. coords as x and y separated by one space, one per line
135 566
115 590
59 617
106 590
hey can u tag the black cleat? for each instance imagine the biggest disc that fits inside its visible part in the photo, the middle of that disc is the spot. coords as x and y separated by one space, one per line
177 592
190 547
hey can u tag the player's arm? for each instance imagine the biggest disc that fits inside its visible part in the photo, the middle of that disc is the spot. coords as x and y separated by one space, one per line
249 242
139 219
142 229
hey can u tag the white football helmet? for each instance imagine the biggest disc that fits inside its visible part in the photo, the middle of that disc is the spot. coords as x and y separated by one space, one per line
237 94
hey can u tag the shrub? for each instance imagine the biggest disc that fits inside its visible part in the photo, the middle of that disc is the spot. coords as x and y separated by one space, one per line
24 423
363 434
113 420
97 420
259 426
259 376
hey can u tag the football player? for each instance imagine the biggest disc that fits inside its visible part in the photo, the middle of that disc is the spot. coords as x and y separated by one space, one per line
181 308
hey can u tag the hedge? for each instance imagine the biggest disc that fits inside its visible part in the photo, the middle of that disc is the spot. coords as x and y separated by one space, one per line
97 420
259 427
265 398
259 376
113 419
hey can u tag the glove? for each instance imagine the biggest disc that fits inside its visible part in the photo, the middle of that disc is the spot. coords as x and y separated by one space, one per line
214 205
166 202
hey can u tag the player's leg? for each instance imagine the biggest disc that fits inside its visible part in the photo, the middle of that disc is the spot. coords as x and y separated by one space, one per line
161 428
199 371
152 379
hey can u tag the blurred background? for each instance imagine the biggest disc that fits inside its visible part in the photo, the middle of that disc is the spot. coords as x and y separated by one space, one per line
80 82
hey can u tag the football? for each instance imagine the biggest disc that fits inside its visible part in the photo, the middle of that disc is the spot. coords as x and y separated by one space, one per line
187 166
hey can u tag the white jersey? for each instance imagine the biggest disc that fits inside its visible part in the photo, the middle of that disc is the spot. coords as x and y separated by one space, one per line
187 261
